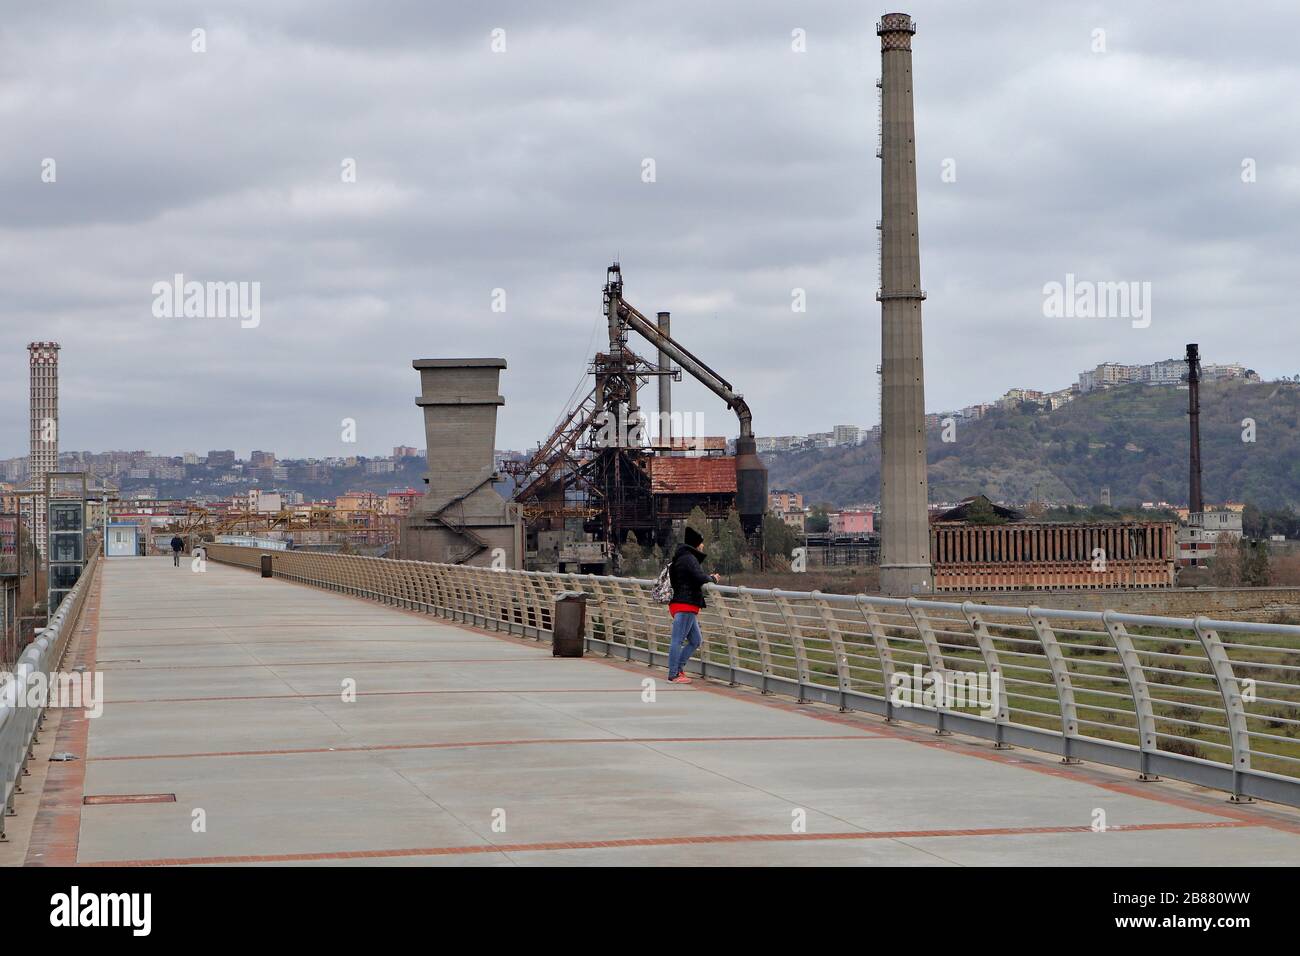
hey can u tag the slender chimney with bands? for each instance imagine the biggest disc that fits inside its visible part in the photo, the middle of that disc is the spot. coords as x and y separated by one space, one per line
904 494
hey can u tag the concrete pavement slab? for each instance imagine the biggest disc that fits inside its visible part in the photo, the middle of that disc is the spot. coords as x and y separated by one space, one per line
463 748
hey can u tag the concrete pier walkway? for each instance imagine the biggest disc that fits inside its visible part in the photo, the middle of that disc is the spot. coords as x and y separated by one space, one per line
229 693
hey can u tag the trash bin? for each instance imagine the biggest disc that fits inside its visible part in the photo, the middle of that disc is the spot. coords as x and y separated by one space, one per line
570 624
266 565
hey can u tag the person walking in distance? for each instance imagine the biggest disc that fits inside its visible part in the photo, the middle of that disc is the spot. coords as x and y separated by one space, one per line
688 579
178 545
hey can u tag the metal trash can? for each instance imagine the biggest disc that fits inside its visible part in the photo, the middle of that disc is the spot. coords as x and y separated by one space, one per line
266 565
569 624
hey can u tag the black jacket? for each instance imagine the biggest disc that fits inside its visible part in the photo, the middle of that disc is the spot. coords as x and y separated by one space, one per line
178 544
687 577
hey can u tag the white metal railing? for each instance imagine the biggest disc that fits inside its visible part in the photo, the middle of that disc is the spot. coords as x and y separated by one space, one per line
1215 703
21 719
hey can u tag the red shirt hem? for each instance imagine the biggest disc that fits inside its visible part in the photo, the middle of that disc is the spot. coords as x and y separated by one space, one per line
683 608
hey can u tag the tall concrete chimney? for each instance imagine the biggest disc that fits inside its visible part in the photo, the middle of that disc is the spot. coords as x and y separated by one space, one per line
44 456
1195 503
905 536
665 382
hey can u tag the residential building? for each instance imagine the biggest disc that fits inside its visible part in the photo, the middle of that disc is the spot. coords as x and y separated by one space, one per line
780 500
858 521
846 434
795 519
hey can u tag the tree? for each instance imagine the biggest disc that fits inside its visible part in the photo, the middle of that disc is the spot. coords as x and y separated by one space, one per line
1254 564
1252 521
980 511
778 537
729 549
698 520
631 557
1225 565
819 520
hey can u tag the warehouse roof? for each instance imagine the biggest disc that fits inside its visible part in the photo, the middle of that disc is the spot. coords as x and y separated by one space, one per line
693 476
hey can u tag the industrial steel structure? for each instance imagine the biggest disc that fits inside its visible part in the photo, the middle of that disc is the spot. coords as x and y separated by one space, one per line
600 472
904 493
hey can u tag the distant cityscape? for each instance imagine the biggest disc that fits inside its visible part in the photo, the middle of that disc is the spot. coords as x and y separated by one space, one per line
219 474
1167 372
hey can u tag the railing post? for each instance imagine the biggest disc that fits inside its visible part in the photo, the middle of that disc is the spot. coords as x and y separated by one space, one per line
441 590
616 585
607 625
646 608
989 652
883 651
1234 708
653 640
1061 680
836 638
1137 682
933 653
760 635
726 612
500 594
797 642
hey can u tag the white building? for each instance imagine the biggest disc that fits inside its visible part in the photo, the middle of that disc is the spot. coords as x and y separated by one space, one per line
1105 375
1198 540
846 435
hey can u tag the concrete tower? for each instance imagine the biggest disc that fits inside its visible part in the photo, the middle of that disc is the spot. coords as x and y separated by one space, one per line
461 519
905 537
44 361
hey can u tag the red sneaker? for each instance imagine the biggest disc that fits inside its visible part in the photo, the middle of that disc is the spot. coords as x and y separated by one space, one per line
680 679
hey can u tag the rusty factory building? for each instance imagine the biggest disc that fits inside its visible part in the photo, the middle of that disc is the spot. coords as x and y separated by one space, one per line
1043 555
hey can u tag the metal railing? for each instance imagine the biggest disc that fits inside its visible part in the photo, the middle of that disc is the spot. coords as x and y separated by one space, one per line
20 718
1214 703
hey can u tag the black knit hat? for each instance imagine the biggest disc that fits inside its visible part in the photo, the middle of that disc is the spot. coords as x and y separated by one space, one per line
693 538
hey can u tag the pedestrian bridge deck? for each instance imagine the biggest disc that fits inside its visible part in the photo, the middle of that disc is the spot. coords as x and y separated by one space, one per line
467 748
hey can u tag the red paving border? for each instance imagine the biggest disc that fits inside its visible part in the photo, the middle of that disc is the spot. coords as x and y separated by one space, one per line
102 799
205 667
658 841
454 744
56 830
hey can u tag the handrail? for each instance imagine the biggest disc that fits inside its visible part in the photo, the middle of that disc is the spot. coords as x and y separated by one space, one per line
1214 703
20 720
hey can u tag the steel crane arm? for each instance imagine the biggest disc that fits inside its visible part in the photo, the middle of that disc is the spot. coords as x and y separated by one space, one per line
697 369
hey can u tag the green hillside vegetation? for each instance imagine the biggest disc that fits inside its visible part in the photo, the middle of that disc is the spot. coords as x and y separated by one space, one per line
1132 439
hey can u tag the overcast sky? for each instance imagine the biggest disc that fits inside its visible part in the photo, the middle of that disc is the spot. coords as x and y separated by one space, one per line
522 170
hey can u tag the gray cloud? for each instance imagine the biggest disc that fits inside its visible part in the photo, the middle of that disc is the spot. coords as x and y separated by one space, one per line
522 171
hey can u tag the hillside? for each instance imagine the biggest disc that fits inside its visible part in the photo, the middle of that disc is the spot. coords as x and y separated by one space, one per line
1133 439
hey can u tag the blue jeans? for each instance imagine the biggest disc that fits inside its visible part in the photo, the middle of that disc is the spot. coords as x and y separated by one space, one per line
685 641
